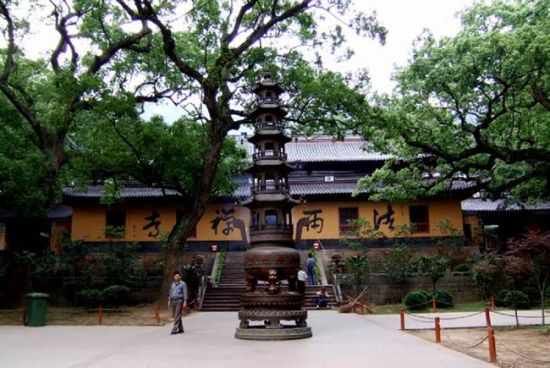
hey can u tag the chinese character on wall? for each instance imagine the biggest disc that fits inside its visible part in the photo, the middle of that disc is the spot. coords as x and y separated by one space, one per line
314 221
224 215
385 218
153 222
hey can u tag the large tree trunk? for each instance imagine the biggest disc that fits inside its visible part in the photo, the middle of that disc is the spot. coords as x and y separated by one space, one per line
201 197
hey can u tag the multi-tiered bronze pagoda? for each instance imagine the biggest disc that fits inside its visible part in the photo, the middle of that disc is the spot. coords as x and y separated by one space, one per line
272 262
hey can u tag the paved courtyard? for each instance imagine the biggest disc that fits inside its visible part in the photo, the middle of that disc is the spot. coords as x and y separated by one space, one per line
339 339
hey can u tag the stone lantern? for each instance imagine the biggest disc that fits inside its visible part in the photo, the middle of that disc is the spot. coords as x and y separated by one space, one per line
271 264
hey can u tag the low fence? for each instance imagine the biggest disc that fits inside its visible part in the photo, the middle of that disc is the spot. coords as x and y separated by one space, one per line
494 342
101 315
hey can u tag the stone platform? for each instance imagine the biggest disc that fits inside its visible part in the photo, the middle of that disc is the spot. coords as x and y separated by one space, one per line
273 334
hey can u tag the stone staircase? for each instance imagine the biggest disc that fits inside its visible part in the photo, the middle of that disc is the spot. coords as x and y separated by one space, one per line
227 295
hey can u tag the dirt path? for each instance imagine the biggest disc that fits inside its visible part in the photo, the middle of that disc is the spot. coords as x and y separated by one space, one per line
532 343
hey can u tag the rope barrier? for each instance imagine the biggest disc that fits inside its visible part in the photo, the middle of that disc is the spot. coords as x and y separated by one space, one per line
429 320
513 315
445 318
537 361
460 317
413 316
466 347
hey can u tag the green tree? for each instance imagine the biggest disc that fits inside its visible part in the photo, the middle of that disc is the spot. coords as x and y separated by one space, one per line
358 268
434 266
516 299
202 55
473 106
530 254
46 99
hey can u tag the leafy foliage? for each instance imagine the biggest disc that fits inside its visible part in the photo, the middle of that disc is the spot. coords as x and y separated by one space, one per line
488 274
443 299
90 298
434 266
417 300
395 263
529 256
473 106
115 295
358 268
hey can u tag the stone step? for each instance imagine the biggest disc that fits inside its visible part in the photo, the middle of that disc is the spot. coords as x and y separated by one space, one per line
227 296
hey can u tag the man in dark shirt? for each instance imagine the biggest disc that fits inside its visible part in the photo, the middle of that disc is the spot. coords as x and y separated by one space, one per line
310 263
177 300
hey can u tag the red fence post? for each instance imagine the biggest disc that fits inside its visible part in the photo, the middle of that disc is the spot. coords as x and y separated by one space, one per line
492 345
362 305
402 318
100 315
437 331
487 317
156 312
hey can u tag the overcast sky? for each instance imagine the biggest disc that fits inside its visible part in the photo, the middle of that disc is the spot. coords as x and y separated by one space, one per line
404 19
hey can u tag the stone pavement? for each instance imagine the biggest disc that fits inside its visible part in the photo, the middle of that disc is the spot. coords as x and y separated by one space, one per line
338 340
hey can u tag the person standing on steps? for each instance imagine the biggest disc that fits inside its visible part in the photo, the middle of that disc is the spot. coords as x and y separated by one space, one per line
302 277
310 269
177 300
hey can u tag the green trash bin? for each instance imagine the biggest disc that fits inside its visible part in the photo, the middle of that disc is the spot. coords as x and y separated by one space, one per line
36 309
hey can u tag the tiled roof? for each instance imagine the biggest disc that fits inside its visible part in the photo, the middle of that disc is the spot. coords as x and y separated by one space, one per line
327 150
60 211
129 191
298 186
482 205
322 188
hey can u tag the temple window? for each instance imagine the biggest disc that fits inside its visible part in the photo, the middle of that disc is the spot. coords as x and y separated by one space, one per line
346 217
271 218
419 218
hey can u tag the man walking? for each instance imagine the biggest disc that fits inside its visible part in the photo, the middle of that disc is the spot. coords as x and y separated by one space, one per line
177 300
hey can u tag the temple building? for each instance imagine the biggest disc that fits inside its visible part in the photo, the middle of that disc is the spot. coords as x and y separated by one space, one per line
325 177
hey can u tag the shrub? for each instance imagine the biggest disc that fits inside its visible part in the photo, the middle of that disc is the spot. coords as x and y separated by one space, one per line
516 299
90 298
499 299
532 293
417 300
115 295
463 267
443 299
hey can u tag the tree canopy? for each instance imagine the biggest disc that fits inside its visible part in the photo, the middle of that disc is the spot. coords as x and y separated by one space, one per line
471 107
115 56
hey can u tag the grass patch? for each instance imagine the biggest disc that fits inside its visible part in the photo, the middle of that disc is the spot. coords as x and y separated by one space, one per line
463 307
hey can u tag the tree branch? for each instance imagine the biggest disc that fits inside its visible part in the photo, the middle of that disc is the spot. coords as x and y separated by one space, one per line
148 13
10 52
126 43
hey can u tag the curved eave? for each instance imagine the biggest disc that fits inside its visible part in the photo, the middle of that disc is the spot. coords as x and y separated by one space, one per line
266 85
282 167
262 135
273 109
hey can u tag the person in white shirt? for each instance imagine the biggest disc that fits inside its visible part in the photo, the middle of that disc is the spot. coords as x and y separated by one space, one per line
302 277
